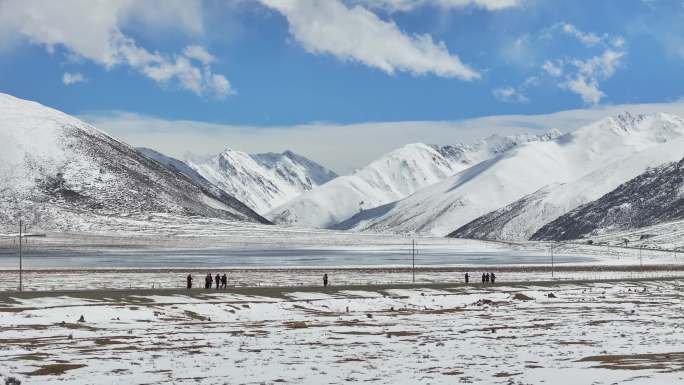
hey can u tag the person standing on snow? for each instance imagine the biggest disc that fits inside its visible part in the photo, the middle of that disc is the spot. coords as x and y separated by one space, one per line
467 278
189 279
325 279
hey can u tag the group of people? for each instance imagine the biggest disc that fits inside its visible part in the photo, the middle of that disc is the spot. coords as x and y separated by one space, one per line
220 280
486 278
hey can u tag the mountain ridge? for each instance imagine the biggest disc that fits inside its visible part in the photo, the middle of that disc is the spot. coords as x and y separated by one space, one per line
441 208
264 180
391 177
53 166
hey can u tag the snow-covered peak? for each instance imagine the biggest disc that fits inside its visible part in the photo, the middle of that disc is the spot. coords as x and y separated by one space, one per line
262 181
499 181
389 178
657 126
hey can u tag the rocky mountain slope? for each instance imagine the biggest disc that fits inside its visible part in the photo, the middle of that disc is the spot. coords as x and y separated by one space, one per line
262 181
654 197
497 182
522 218
390 178
59 172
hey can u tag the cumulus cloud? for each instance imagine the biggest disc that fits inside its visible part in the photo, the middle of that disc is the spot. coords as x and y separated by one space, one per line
93 31
589 39
553 68
583 76
198 53
408 5
509 95
353 33
69 78
343 147
585 81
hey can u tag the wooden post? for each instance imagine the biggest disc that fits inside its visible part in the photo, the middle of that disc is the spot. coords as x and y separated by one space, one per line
413 259
21 283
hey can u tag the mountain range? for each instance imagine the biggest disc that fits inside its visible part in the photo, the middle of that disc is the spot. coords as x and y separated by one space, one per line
391 178
616 174
497 182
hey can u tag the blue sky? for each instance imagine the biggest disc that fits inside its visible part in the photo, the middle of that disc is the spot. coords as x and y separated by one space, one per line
256 72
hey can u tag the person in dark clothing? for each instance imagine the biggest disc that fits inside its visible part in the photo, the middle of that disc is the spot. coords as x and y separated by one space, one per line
467 277
189 279
487 277
207 281
483 278
493 277
224 281
325 279
217 279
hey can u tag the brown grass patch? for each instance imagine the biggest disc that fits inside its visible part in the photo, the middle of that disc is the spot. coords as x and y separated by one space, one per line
663 362
403 334
192 315
522 297
296 325
452 373
30 357
506 374
54 369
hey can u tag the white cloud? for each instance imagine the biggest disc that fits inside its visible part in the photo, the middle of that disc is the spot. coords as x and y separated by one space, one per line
69 78
585 82
553 69
356 34
602 66
587 38
408 5
509 95
583 76
92 30
515 95
585 87
198 53
343 147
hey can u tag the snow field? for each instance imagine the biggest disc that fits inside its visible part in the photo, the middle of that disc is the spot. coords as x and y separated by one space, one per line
603 333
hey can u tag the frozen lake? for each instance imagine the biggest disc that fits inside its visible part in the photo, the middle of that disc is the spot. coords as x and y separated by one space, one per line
287 257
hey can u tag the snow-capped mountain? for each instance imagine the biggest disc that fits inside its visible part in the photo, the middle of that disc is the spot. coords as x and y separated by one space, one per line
390 178
654 197
522 218
62 172
262 181
497 182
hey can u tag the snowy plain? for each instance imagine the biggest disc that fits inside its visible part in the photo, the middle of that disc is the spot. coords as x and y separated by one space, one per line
598 333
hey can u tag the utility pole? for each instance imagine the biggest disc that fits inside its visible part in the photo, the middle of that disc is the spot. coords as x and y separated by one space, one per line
21 286
641 261
413 259
551 261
